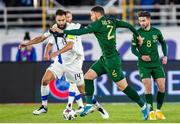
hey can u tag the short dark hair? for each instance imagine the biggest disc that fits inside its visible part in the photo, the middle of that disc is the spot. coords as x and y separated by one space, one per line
144 14
60 12
98 9
68 12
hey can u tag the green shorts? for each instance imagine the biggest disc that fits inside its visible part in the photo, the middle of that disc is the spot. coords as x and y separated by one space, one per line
110 66
155 72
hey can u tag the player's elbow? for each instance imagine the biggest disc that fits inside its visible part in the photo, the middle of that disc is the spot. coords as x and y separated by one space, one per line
70 46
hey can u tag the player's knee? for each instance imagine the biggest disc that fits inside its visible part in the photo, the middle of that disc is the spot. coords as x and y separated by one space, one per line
45 82
161 88
122 84
147 89
90 75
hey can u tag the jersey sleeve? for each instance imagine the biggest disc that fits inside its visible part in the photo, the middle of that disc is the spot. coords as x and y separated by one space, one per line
70 38
93 27
163 43
51 40
134 46
123 24
47 34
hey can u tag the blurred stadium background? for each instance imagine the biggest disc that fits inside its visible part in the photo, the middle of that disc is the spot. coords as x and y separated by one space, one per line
20 81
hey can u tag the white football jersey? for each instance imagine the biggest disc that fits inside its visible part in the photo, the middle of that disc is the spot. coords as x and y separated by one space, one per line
77 50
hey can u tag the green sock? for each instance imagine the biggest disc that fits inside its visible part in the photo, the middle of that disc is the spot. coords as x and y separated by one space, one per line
149 100
160 99
89 91
132 94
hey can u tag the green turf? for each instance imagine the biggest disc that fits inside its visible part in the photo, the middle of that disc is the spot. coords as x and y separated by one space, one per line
119 113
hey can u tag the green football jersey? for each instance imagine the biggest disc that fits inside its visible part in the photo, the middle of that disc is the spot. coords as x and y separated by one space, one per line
149 47
105 32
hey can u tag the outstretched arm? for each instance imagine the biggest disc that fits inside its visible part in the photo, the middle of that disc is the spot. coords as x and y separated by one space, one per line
36 40
124 24
93 27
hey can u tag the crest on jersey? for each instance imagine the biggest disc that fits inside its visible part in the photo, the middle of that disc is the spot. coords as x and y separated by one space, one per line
154 38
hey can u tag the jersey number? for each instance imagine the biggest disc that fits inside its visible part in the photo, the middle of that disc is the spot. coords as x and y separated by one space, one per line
148 43
77 76
110 36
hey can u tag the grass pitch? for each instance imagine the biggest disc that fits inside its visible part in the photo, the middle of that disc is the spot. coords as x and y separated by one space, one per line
119 113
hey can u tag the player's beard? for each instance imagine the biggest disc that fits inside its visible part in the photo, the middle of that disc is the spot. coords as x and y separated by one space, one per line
62 27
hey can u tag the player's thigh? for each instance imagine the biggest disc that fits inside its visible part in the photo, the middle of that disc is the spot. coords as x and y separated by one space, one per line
161 84
74 74
158 72
144 72
57 69
97 69
47 77
114 69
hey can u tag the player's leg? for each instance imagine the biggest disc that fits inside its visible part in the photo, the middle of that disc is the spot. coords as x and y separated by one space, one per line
113 67
133 95
74 75
71 96
48 76
159 75
78 98
53 71
145 74
96 70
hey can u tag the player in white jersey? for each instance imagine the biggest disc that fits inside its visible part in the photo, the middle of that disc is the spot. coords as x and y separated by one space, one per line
99 107
69 62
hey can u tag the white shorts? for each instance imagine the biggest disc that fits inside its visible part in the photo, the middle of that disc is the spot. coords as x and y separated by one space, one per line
73 72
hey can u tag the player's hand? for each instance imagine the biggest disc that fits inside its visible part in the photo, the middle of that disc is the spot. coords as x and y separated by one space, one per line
146 58
140 40
54 54
164 60
46 57
21 45
56 29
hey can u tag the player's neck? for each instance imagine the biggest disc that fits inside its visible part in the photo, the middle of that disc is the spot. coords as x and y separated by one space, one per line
147 28
100 17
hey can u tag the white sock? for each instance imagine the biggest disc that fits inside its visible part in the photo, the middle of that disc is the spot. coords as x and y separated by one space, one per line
78 98
44 94
71 96
142 108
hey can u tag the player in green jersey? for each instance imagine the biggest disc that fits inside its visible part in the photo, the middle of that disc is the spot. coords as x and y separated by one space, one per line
109 63
149 63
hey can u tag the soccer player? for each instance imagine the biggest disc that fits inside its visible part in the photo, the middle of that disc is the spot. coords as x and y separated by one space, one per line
104 114
68 61
149 63
109 63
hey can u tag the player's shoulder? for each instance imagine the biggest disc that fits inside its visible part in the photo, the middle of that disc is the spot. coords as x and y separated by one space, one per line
155 29
73 26
76 25
139 29
112 19
69 26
